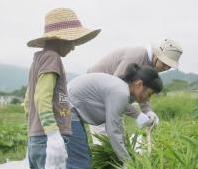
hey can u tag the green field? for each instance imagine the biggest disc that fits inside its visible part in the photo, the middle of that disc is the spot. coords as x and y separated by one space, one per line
174 141
13 133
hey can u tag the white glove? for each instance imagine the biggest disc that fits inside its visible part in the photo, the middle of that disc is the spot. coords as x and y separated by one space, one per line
56 154
153 116
144 121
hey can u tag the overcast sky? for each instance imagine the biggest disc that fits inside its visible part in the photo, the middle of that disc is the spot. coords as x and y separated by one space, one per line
123 23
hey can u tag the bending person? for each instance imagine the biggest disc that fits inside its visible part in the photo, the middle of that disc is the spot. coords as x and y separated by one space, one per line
162 57
102 98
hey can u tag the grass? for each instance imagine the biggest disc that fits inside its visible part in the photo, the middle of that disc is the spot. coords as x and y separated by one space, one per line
174 146
12 114
174 141
13 133
170 107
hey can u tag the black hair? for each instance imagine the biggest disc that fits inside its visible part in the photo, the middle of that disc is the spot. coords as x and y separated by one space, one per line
147 74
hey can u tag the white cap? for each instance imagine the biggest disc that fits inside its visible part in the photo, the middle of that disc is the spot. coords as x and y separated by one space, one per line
168 52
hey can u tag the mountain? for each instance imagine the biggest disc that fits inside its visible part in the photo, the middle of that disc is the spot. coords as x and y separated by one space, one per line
177 85
171 75
194 85
13 77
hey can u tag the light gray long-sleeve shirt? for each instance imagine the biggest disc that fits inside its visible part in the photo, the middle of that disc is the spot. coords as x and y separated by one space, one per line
102 98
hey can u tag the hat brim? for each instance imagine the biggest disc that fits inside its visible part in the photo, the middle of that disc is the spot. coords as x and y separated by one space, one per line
165 59
79 37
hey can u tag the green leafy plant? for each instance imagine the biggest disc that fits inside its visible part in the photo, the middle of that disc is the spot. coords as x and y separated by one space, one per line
177 106
13 133
174 147
13 140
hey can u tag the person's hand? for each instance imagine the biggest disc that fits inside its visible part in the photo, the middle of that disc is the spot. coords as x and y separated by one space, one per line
56 154
153 116
143 120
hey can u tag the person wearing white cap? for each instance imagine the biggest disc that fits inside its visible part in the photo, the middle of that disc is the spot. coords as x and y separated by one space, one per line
162 57
46 101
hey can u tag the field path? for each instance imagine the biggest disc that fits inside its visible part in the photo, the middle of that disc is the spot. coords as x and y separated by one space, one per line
15 165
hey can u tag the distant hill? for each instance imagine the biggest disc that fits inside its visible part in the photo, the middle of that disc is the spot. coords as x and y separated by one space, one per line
177 85
171 75
194 85
13 77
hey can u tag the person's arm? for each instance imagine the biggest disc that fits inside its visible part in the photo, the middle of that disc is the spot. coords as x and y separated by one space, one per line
115 104
133 112
43 98
142 119
55 151
120 70
145 107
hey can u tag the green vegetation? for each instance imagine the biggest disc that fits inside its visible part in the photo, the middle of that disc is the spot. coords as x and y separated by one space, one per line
12 115
103 155
13 133
13 141
174 141
177 106
174 147
176 85
19 93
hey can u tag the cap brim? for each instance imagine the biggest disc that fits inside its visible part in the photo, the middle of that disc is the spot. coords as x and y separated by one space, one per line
166 60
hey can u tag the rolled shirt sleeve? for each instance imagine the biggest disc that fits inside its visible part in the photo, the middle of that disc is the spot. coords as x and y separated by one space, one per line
134 112
145 107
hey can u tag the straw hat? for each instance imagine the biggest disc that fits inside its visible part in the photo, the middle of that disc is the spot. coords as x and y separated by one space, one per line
63 24
169 52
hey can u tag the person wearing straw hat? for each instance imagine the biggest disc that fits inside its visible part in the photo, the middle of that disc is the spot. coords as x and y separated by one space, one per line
46 101
161 57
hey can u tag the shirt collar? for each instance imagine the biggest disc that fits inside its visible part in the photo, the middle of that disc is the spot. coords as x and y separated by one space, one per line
150 52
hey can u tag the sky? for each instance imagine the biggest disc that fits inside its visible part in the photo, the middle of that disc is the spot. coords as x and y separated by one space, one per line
124 23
